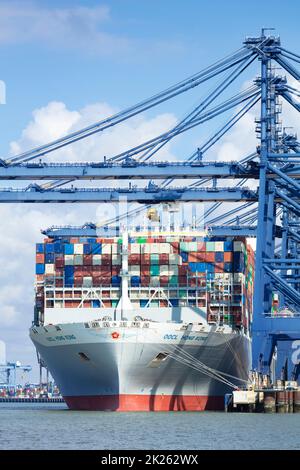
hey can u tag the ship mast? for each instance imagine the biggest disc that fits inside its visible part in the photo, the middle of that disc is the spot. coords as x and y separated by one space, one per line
124 302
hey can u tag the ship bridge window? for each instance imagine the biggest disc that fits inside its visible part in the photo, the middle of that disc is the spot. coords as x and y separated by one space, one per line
83 356
158 359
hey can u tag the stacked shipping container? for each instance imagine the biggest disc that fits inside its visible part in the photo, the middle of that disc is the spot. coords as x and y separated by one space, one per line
215 275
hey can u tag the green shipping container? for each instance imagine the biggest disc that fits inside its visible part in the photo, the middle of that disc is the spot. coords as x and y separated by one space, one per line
173 281
210 246
154 270
114 303
142 240
154 258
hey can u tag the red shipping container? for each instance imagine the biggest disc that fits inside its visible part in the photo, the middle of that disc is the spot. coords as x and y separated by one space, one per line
59 262
74 240
134 259
96 281
105 270
87 260
106 260
96 269
163 258
59 272
182 280
40 258
145 281
182 270
164 281
163 303
192 282
87 304
115 270
145 259
78 281
59 283
105 281
107 303
39 277
145 273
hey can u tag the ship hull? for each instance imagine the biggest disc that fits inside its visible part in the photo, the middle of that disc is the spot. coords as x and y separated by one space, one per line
160 367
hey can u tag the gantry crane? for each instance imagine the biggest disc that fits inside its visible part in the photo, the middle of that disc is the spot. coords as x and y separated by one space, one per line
270 211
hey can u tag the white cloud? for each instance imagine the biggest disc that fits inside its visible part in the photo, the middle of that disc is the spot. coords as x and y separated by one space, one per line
55 120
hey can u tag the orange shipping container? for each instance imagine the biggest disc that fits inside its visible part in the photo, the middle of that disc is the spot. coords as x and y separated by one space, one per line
40 258
228 256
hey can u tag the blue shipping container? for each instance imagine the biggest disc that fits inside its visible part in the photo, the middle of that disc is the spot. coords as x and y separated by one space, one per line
219 256
201 267
174 302
49 258
39 248
228 245
135 281
69 249
184 256
96 303
96 248
58 247
228 267
49 247
39 268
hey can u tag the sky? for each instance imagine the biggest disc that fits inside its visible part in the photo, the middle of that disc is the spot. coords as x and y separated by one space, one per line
66 64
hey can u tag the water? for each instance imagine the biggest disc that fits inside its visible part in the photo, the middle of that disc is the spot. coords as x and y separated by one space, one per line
44 426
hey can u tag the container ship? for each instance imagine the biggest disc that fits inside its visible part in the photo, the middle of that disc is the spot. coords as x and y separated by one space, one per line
144 321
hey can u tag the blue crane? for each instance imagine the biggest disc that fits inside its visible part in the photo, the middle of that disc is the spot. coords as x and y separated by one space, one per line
270 211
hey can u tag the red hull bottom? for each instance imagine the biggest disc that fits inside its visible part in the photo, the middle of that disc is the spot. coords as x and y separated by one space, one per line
146 403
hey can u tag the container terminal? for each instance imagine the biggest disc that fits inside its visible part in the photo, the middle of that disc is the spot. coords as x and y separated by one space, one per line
187 318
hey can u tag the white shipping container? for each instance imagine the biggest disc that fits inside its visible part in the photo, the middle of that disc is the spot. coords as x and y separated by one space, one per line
154 248
134 270
78 259
192 246
164 270
175 259
164 248
69 260
87 281
114 249
78 248
135 248
58 304
238 246
173 270
146 248
49 268
154 281
106 248
116 260
96 260
219 246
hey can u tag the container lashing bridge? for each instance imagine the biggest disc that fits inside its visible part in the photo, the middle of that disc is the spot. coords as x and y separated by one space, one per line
270 212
